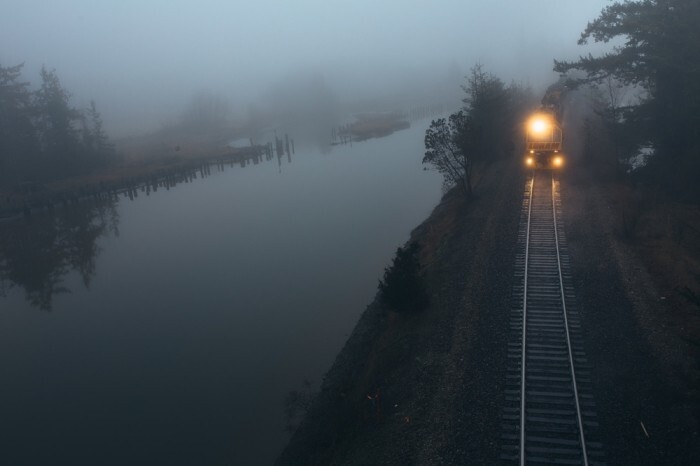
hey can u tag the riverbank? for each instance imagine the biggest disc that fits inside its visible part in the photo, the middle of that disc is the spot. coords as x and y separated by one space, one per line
440 375
124 177
424 365
369 125
240 286
169 157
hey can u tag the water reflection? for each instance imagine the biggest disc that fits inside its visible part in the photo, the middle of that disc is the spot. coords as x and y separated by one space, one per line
215 301
38 252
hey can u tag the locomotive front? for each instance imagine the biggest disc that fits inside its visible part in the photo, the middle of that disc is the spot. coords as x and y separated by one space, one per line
543 142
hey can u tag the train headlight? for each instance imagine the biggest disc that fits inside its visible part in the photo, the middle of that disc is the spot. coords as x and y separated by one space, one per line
539 126
529 161
558 161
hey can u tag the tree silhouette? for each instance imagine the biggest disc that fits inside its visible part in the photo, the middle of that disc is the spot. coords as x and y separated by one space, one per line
56 120
402 288
661 54
38 253
19 148
483 131
487 103
451 147
42 136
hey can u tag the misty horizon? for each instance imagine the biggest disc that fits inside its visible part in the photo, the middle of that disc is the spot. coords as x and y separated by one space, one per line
142 63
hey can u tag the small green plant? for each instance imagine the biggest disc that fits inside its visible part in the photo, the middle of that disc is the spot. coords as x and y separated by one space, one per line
402 288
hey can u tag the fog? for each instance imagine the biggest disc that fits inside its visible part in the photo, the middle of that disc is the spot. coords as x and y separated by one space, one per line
195 309
142 61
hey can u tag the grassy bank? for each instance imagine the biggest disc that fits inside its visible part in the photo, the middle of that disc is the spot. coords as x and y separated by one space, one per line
131 173
374 125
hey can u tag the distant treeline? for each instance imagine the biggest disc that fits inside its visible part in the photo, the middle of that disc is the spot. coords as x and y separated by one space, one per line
43 137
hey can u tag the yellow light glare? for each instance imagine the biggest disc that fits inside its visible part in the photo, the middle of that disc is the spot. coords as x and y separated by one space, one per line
539 126
529 161
558 161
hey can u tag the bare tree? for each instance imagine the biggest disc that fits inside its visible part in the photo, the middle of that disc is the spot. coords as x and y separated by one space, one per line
451 148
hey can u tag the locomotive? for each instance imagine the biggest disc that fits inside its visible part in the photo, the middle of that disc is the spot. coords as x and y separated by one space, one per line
543 141
543 135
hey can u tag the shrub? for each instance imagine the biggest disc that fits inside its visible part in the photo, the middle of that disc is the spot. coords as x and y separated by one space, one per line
402 288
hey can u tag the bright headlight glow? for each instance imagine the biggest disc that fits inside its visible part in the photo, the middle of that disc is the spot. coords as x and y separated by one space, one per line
539 126
558 161
529 161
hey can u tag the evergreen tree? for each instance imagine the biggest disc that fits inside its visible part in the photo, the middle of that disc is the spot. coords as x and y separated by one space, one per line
99 145
18 139
42 136
661 54
55 123
484 130
402 288
487 104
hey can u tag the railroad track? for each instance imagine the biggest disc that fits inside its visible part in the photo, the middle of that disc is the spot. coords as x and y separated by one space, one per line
549 413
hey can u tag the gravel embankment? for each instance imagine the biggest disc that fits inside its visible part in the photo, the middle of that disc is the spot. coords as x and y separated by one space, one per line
440 373
637 360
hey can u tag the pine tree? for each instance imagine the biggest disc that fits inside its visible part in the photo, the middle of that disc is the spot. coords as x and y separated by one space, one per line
55 123
18 139
661 54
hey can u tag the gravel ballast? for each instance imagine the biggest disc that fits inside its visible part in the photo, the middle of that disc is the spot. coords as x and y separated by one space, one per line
440 374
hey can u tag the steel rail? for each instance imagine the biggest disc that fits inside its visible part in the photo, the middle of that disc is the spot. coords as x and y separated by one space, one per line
582 436
547 358
523 361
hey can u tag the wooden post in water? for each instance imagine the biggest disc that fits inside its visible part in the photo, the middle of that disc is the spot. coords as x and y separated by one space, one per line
280 148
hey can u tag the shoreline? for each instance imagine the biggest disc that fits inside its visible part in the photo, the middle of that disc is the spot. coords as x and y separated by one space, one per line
167 169
441 373
122 178
412 361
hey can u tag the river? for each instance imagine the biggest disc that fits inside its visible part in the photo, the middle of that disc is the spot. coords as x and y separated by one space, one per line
169 329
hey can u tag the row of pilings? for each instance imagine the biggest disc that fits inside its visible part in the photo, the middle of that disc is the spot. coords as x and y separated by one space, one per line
38 199
281 147
341 135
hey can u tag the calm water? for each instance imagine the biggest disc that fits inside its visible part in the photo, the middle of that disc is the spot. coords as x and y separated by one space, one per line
169 329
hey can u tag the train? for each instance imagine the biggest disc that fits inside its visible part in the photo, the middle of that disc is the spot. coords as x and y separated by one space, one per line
543 133
543 141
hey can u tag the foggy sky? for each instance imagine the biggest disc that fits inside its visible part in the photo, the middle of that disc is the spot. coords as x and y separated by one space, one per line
142 59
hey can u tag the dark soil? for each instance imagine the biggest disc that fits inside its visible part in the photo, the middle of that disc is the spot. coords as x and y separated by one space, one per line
645 366
440 373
